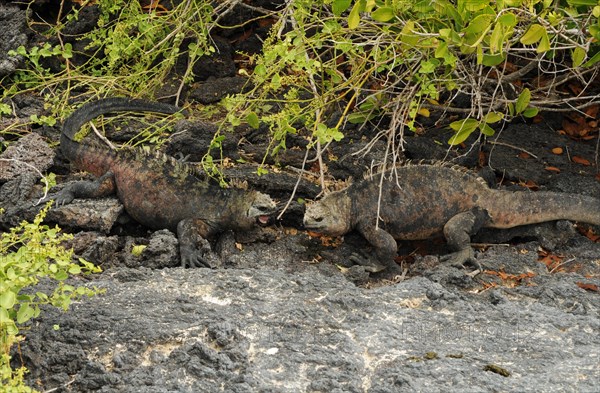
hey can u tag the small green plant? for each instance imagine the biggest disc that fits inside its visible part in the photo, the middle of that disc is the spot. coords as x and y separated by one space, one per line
362 60
28 253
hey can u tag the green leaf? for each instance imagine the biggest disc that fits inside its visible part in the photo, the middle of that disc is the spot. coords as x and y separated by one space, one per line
479 25
497 39
339 6
533 34
383 14
463 129
508 20
252 120
578 56
493 117
475 5
459 137
25 313
74 269
493 60
544 45
354 17
8 299
464 125
442 49
260 70
68 52
592 61
523 101
486 130
530 112
576 3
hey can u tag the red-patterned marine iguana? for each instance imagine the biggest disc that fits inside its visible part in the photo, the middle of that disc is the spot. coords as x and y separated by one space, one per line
422 201
156 190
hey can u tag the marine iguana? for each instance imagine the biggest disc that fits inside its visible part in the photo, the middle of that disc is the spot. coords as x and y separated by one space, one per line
420 201
155 189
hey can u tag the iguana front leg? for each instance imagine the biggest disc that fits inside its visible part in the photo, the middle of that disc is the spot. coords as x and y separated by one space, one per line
102 186
386 249
194 249
458 231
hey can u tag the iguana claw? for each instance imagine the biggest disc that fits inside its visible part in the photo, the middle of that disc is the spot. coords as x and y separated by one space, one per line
461 258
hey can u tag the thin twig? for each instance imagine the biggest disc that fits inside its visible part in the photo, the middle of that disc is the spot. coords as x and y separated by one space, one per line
513 147
102 137
291 198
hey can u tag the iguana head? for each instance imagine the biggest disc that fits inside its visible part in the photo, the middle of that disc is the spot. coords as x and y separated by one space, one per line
261 207
330 215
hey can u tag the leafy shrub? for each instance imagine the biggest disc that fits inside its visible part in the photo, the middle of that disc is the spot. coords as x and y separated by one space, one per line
362 60
28 253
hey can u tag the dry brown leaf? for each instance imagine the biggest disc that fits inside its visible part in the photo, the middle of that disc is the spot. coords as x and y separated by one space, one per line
581 160
552 169
523 155
588 287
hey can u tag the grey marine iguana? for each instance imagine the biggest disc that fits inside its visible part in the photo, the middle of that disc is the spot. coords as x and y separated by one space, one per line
422 201
156 190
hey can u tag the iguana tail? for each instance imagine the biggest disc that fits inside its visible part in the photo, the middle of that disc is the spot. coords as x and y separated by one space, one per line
91 110
509 209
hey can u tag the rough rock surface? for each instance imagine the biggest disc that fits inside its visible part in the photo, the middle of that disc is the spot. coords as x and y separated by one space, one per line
246 330
12 35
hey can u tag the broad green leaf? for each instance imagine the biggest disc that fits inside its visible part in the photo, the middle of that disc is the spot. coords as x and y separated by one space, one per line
530 112
464 125
486 130
383 14
370 4
25 313
459 137
479 25
596 11
442 49
533 34
507 20
252 120
523 101
8 299
493 117
578 56
475 5
497 39
407 35
493 60
544 45
339 6
354 17
260 70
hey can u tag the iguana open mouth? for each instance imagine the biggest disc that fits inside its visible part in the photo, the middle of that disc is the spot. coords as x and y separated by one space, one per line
262 220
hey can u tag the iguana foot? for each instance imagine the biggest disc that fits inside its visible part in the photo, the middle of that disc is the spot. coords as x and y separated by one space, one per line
368 264
63 198
201 256
461 258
